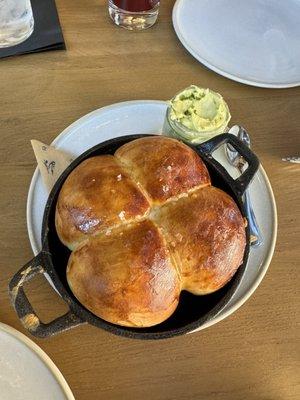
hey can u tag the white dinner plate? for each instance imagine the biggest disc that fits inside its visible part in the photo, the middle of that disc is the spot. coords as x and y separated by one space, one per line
26 372
146 117
256 42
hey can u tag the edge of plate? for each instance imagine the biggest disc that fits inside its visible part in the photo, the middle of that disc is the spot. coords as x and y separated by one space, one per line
265 265
43 357
218 70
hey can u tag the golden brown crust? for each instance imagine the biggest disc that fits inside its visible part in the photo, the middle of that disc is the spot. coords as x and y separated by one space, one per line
145 225
97 195
206 235
163 166
126 278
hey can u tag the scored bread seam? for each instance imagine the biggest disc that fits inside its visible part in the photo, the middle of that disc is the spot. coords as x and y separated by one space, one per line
149 215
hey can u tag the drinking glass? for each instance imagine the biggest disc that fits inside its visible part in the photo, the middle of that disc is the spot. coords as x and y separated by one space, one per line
134 14
16 22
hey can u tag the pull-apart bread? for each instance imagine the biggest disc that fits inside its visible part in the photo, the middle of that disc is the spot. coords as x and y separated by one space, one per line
143 225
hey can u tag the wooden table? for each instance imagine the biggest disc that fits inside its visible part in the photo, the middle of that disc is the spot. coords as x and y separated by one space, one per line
252 354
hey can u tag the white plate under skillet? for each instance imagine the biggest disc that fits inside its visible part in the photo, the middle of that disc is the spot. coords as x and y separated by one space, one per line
256 42
26 372
146 117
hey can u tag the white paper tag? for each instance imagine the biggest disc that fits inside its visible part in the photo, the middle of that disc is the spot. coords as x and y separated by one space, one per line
51 162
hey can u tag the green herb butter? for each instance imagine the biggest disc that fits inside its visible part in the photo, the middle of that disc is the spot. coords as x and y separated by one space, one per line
203 112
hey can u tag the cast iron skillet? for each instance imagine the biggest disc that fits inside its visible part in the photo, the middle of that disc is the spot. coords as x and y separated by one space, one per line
192 312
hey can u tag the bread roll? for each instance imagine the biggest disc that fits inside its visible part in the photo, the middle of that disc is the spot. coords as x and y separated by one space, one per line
206 236
127 277
97 196
144 225
164 167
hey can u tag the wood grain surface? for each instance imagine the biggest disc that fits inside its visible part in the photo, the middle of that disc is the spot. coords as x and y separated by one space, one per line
254 354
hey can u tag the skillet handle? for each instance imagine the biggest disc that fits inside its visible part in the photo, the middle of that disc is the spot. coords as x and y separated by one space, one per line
242 182
24 309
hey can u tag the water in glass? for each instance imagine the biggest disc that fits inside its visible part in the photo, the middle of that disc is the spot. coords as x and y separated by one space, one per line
16 22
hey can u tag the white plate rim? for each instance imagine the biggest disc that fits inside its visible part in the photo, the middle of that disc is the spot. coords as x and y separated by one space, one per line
264 267
42 356
216 69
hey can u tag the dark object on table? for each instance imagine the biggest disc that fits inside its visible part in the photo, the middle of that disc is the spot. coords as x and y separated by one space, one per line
47 34
192 312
